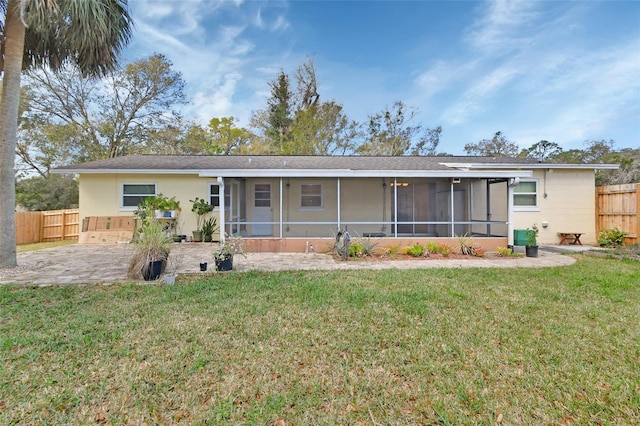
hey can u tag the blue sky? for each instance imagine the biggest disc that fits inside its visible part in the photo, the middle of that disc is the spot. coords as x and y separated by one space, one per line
566 72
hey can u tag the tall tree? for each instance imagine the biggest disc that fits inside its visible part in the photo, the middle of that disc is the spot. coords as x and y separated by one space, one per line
542 151
391 133
90 33
323 129
603 151
596 151
497 146
220 137
307 86
280 112
52 193
123 113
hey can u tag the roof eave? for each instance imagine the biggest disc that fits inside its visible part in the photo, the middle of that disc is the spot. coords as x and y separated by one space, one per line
306 173
516 166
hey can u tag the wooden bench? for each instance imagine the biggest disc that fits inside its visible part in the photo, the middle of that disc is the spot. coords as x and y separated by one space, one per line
567 238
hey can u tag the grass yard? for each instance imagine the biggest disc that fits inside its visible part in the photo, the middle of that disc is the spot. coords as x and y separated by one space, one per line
436 346
22 248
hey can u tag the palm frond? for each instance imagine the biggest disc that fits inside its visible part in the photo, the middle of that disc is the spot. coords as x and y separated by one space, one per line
90 33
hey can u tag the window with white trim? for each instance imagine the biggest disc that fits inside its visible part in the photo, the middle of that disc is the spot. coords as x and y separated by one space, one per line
135 193
525 195
311 196
262 195
214 195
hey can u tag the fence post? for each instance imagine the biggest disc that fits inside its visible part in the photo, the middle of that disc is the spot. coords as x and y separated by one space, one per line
41 230
637 240
64 222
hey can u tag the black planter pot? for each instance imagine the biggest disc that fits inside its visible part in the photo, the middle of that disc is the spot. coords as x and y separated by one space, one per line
155 270
531 251
203 266
225 264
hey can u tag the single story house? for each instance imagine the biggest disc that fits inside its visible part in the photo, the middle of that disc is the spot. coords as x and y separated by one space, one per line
291 203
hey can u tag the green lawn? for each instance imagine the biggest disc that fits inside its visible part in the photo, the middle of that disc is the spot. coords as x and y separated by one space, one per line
436 346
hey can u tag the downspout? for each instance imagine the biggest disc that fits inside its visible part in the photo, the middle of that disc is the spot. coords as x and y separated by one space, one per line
222 218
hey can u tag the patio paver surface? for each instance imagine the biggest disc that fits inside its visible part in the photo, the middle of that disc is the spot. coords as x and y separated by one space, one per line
104 264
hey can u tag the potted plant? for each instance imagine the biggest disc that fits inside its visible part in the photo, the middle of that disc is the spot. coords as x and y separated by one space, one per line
171 207
151 251
531 248
223 256
200 207
208 228
173 264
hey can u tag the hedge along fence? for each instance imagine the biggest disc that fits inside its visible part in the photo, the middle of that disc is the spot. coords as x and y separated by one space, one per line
618 206
52 225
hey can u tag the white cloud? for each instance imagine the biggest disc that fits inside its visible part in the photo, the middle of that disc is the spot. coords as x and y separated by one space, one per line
264 20
503 26
218 102
474 100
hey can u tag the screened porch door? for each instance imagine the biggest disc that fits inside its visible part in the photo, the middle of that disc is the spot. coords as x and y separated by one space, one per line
262 210
415 204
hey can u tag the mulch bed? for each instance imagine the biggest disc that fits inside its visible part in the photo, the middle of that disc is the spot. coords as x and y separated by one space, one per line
431 256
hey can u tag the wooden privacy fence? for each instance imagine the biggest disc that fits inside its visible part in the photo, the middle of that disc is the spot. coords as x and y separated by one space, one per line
52 225
618 206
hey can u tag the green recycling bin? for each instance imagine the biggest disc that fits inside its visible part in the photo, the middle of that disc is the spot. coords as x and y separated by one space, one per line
519 237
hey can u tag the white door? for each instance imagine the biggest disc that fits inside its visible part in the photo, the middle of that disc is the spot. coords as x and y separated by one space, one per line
262 210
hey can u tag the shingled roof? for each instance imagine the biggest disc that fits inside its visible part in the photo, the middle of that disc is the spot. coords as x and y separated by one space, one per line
319 166
271 162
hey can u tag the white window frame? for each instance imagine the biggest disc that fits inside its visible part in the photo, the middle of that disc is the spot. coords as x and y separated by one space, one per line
227 196
533 208
321 195
210 195
122 195
255 190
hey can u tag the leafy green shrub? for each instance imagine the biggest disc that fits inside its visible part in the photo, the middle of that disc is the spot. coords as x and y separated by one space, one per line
611 238
504 251
356 250
433 247
390 251
415 250
532 236
438 248
362 246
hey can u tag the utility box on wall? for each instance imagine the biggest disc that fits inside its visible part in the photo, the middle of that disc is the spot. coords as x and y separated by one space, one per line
519 237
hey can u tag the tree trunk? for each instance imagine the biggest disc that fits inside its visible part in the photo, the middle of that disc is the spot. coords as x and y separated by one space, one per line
14 47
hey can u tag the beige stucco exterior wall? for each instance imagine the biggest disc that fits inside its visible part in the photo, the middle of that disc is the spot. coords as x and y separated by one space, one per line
569 205
100 194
